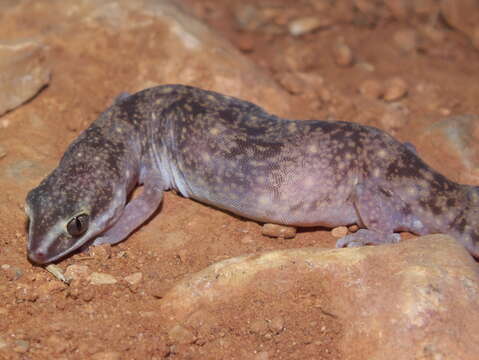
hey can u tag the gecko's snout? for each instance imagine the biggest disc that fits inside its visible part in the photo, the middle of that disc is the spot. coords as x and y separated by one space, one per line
37 257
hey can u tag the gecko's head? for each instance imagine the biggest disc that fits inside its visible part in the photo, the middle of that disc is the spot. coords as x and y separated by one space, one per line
68 209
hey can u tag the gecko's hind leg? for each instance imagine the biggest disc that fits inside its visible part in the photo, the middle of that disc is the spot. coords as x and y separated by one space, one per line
379 212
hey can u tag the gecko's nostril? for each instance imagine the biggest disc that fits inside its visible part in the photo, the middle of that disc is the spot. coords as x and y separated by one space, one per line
37 256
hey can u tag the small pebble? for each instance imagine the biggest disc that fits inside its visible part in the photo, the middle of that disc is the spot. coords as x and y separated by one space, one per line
56 343
393 120
305 25
75 289
3 152
343 55
3 343
47 288
157 288
25 293
279 231
262 355
324 95
406 40
247 239
21 346
246 43
259 327
276 324
180 335
87 294
100 252
77 272
102 279
433 34
396 88
106 355
339 232
365 66
12 273
292 83
445 111
134 278
372 89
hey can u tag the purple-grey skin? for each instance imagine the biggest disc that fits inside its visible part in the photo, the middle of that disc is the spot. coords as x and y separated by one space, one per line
233 155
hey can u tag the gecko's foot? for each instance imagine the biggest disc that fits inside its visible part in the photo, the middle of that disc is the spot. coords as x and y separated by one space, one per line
367 237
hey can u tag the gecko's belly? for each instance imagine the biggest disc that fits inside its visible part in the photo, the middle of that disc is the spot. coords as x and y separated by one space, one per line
268 207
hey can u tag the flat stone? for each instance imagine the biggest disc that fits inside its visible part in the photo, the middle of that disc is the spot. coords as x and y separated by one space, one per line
415 299
97 278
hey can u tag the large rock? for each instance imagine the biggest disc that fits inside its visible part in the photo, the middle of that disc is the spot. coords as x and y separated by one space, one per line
418 299
455 137
463 15
23 72
143 43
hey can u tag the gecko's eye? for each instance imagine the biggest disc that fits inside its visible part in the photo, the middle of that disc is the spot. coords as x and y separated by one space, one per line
78 225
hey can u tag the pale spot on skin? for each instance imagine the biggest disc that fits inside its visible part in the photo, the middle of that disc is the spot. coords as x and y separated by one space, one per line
376 172
313 149
205 156
417 224
382 153
411 190
119 129
166 90
261 180
214 131
264 200
474 197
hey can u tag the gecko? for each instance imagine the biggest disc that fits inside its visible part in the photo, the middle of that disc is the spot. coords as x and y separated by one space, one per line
235 156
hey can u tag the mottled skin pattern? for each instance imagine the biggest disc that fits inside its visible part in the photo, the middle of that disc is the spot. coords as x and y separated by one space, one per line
232 154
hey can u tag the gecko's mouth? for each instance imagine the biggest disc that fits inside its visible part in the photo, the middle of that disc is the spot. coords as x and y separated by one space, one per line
42 255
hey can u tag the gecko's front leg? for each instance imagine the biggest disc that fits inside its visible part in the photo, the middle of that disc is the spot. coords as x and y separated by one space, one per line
135 213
